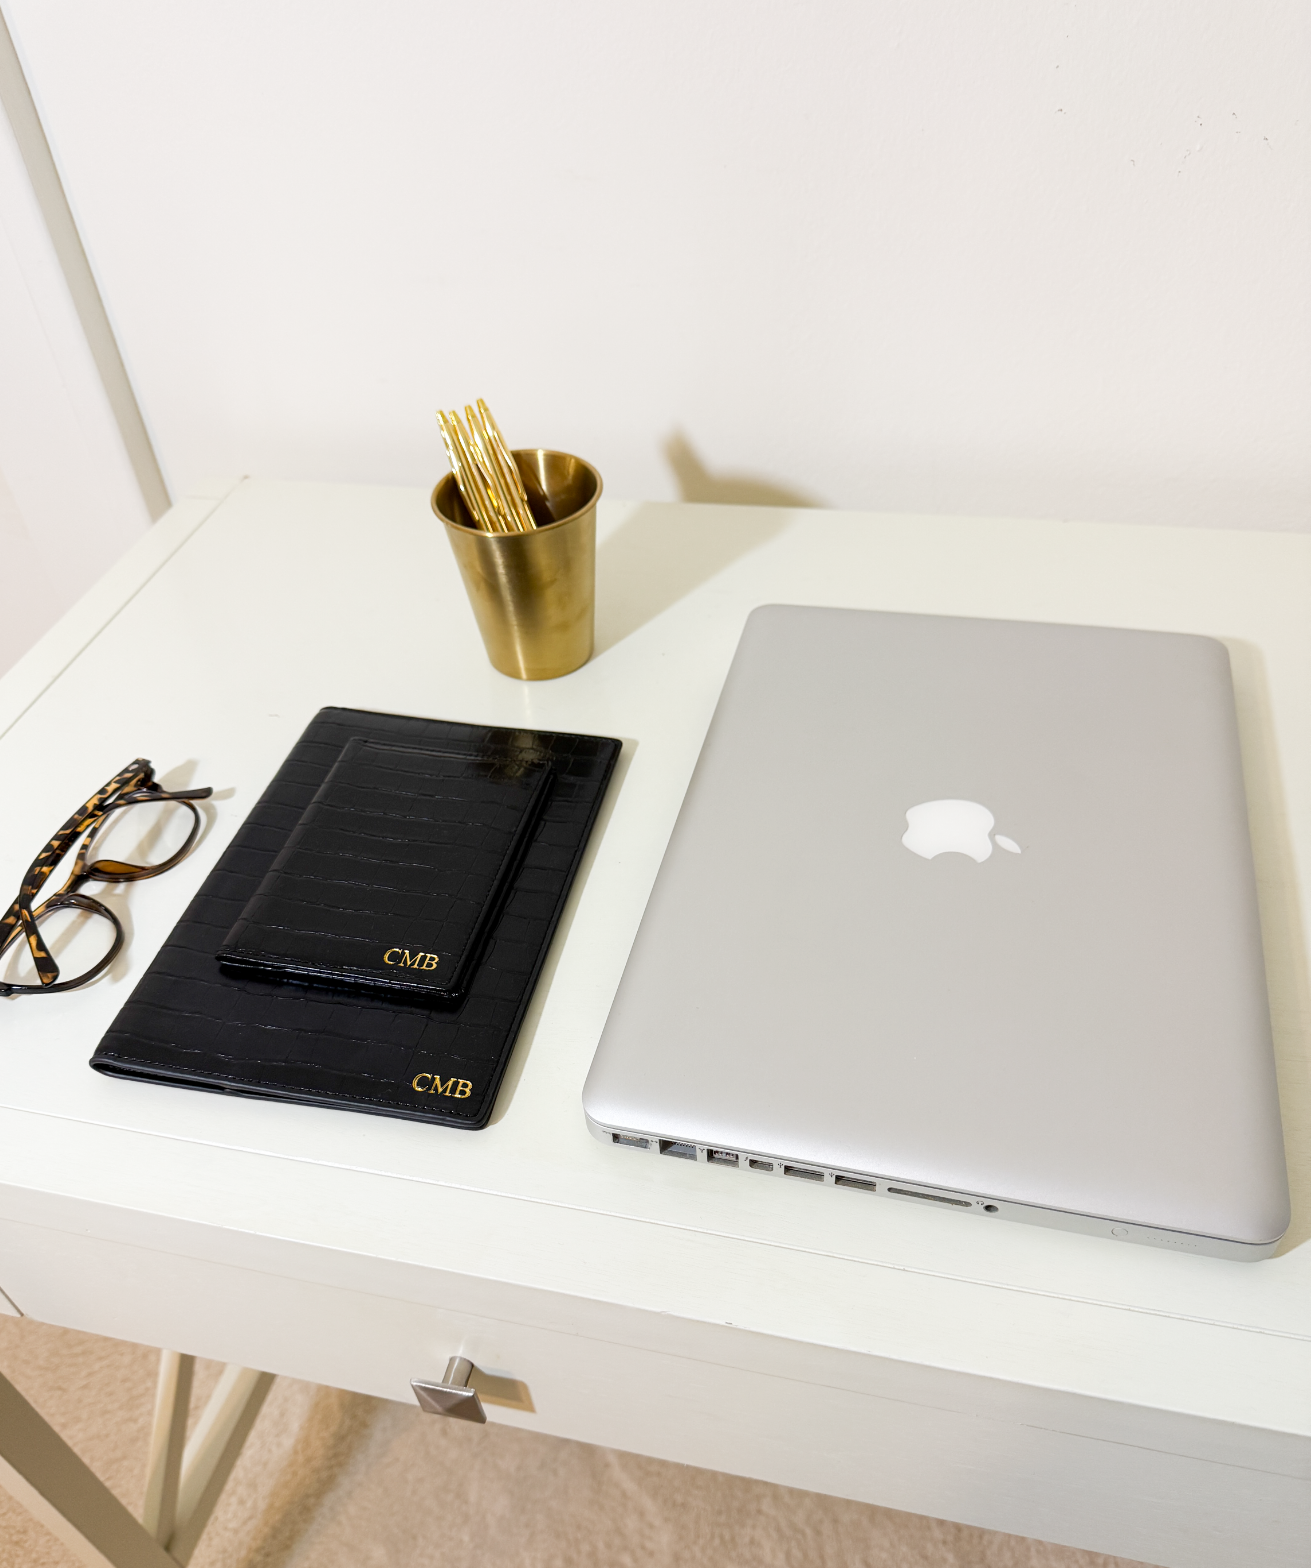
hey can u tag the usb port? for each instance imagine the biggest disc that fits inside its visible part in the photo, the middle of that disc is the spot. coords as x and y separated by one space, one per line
761 1165
856 1181
803 1172
721 1157
678 1151
628 1141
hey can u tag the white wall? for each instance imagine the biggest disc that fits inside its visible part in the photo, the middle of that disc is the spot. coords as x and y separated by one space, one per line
1033 257
69 504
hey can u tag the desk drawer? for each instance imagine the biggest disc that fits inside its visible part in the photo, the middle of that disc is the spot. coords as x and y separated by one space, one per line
1023 1460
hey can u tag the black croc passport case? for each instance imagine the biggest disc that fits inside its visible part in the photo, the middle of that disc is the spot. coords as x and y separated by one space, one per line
428 1057
391 877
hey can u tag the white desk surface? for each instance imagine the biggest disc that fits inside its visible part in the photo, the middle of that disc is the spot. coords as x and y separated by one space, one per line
213 643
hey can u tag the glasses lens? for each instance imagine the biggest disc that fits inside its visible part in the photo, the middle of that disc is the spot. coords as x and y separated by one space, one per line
76 938
143 835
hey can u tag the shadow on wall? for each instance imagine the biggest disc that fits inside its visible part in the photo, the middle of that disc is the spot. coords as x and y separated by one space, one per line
697 483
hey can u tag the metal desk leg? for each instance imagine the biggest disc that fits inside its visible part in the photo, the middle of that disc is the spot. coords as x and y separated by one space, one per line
183 1484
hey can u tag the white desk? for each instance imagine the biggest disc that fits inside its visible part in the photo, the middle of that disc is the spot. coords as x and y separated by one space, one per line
1109 1396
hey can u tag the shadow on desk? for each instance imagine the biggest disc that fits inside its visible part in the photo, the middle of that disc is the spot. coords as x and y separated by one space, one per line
1282 929
663 552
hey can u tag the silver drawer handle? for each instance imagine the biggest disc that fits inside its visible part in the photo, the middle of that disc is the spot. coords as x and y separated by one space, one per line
452 1396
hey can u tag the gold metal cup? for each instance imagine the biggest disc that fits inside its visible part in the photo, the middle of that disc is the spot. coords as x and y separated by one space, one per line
533 594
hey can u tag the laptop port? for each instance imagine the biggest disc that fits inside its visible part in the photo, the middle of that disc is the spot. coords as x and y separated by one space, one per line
761 1165
721 1157
678 1151
803 1172
856 1181
626 1140
932 1197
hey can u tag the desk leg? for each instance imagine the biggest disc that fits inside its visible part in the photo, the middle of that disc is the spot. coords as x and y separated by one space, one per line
52 1483
183 1485
159 1512
213 1449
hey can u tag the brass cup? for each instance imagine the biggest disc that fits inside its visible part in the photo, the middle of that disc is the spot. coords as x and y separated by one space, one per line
533 594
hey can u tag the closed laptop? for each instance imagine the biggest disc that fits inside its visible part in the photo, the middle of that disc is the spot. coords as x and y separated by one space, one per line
963 913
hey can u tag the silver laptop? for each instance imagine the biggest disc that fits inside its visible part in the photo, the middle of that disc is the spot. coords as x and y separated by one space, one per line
962 913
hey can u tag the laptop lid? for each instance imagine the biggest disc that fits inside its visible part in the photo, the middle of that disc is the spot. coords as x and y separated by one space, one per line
971 904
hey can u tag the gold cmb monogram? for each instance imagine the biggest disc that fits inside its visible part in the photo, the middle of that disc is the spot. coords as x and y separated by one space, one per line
456 1088
409 961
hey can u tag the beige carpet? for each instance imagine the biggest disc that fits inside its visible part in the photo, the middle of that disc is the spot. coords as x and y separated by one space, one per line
335 1480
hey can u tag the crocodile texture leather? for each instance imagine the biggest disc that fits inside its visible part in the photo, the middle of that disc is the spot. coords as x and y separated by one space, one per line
391 877
190 1023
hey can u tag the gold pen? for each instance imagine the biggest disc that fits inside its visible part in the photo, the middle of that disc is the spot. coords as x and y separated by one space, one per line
453 458
491 473
496 442
467 476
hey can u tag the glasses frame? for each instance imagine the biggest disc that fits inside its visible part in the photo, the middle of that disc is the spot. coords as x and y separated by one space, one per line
135 785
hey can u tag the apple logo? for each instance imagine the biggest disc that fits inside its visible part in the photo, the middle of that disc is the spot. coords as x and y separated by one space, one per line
960 827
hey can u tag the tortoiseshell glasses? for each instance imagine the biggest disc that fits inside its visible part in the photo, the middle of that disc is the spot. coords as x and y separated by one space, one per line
134 786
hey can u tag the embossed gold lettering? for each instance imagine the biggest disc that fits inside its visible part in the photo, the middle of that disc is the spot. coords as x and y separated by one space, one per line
416 1086
463 1089
438 1087
409 960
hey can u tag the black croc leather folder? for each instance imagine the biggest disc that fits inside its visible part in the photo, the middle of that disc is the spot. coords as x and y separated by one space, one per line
391 877
426 1056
